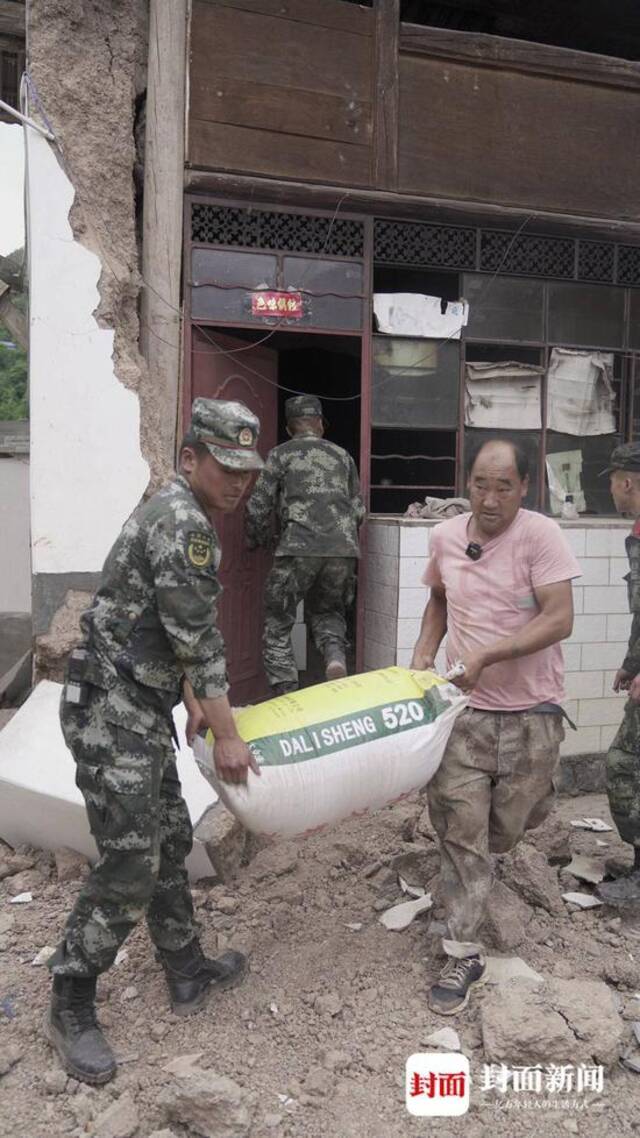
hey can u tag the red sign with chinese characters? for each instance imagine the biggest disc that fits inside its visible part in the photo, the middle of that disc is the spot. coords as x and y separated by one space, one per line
287 305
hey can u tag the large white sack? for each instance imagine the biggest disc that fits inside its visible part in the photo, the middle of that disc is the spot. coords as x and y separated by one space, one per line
338 749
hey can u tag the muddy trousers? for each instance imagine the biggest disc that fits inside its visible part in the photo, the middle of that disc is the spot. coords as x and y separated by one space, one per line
495 782
141 826
623 790
327 586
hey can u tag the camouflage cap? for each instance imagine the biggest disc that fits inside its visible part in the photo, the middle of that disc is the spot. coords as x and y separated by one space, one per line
303 406
229 430
625 457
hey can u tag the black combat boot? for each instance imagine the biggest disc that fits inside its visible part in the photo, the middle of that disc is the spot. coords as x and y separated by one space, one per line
72 1028
192 976
335 660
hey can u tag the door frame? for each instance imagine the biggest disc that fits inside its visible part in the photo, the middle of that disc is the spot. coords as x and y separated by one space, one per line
365 349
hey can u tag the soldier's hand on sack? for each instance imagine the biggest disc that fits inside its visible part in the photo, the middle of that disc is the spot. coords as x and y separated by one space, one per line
473 666
634 690
622 680
232 759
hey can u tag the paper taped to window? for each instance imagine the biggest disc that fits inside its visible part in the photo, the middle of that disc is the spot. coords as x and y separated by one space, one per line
503 395
580 395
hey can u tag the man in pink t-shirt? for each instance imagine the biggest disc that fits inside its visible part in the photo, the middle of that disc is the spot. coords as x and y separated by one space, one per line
500 581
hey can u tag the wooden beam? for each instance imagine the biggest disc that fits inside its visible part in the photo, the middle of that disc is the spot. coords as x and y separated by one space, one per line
385 151
321 13
407 206
162 210
12 19
518 55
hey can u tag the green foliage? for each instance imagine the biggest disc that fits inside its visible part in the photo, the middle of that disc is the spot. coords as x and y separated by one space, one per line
13 380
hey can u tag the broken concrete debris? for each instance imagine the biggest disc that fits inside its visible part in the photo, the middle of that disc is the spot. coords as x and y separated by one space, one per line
596 824
400 916
524 1022
582 900
446 1038
70 864
584 868
208 1104
119 1120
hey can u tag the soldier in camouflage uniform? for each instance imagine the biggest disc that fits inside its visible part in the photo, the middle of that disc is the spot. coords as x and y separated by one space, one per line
309 495
149 639
623 758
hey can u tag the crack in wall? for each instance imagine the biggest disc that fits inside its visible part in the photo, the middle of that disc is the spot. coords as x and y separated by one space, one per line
88 61
89 65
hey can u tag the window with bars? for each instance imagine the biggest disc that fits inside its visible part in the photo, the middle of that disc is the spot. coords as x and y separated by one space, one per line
531 351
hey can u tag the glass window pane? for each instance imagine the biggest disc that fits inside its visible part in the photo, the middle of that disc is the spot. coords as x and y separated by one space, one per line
590 316
228 304
332 290
238 274
415 382
247 270
590 456
529 441
501 309
318 276
414 462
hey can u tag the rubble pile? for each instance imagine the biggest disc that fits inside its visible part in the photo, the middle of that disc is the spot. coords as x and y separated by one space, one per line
314 1043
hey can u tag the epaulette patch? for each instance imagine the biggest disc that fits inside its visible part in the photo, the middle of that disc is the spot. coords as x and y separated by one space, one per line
199 549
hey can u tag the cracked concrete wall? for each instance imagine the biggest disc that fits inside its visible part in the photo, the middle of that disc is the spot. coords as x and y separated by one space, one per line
96 443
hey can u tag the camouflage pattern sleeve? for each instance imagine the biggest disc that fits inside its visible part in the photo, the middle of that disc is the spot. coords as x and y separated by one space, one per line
359 511
260 512
183 557
631 662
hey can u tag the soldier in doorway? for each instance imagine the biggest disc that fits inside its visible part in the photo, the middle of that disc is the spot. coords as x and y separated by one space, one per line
623 757
150 638
307 500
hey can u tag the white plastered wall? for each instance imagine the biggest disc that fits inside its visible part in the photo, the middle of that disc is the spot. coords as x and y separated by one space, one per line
15 575
87 472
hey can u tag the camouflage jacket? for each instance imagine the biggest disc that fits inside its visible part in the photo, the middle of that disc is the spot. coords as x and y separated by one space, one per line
628 737
153 619
308 498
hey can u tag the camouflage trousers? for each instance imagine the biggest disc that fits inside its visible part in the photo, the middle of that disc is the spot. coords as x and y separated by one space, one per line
496 781
142 829
327 586
623 790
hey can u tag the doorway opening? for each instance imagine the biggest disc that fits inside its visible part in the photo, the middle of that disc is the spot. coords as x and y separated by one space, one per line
240 363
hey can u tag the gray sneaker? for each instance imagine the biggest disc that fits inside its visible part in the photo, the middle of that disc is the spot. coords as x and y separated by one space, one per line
458 977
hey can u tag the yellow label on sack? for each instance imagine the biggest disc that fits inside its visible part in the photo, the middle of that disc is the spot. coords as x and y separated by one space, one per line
333 700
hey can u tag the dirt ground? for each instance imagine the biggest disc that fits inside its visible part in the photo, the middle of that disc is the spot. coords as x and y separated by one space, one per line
329 1013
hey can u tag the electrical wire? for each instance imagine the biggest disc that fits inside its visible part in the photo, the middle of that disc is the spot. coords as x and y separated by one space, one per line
231 352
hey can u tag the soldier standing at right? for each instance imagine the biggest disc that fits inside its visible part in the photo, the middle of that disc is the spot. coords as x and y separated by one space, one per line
623 758
309 494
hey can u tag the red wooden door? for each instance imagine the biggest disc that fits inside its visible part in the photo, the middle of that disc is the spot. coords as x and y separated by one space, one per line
242 573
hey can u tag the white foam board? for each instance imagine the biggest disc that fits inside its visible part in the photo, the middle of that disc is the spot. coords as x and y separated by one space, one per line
39 800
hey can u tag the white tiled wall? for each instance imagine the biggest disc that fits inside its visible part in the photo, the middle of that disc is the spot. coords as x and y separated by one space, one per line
396 558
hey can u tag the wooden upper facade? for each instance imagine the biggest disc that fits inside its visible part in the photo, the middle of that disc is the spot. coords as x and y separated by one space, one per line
328 93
